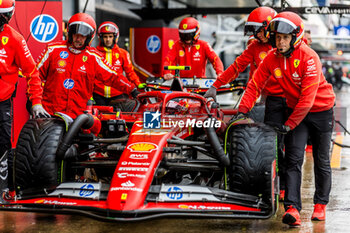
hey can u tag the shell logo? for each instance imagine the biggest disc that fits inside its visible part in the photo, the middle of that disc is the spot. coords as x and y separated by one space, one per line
142 147
184 26
278 73
302 25
0 2
183 206
262 55
171 43
39 201
181 53
62 63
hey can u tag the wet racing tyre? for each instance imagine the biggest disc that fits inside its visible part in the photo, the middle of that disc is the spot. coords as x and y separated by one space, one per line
252 150
35 164
257 113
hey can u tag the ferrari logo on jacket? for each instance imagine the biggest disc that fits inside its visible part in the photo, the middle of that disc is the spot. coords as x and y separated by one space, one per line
117 55
296 63
85 58
198 46
4 40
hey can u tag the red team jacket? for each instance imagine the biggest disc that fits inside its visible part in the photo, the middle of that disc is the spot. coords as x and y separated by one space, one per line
195 56
69 77
120 60
253 55
14 54
301 78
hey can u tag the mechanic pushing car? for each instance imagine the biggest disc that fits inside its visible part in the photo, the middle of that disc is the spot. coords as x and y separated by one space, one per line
108 34
190 51
15 55
69 69
275 110
310 100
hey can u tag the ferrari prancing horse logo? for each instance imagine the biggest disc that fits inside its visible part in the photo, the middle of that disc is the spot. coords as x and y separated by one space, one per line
296 63
4 40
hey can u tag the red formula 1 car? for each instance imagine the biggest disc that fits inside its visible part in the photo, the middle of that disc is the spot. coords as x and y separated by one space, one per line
178 154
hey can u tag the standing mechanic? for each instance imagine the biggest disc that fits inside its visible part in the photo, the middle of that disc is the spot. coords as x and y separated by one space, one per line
14 55
108 34
310 100
69 69
190 51
275 110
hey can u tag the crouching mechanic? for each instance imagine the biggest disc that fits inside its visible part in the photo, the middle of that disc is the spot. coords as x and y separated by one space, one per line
15 55
190 51
310 101
108 34
69 69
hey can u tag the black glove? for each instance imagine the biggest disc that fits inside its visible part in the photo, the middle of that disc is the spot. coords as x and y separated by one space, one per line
279 128
239 115
134 93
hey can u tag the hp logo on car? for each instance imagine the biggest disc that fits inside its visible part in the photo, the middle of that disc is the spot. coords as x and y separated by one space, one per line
175 193
209 82
86 190
44 28
153 44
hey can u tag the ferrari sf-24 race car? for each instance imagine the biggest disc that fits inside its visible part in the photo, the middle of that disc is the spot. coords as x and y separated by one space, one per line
178 154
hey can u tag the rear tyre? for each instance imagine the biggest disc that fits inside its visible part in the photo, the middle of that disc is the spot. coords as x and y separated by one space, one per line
252 152
35 164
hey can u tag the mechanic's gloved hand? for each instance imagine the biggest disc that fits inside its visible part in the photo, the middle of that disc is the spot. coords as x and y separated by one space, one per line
238 116
39 112
168 76
141 85
282 129
211 92
279 128
134 93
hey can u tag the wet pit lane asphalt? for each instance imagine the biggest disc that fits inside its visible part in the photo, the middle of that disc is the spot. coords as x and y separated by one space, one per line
338 210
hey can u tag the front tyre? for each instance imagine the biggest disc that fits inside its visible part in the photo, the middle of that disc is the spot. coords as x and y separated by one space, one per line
35 164
252 150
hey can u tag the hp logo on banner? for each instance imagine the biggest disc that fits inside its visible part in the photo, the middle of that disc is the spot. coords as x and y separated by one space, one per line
44 28
153 44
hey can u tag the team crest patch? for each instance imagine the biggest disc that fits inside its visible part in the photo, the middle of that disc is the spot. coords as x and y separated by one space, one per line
278 73
262 55
181 53
4 40
117 55
184 26
197 46
296 63
85 58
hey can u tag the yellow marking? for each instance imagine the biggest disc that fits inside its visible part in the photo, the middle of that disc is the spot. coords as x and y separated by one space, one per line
336 152
124 196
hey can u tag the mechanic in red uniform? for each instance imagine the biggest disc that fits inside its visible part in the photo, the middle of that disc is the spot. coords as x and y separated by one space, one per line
108 34
190 51
275 104
69 69
310 100
14 55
